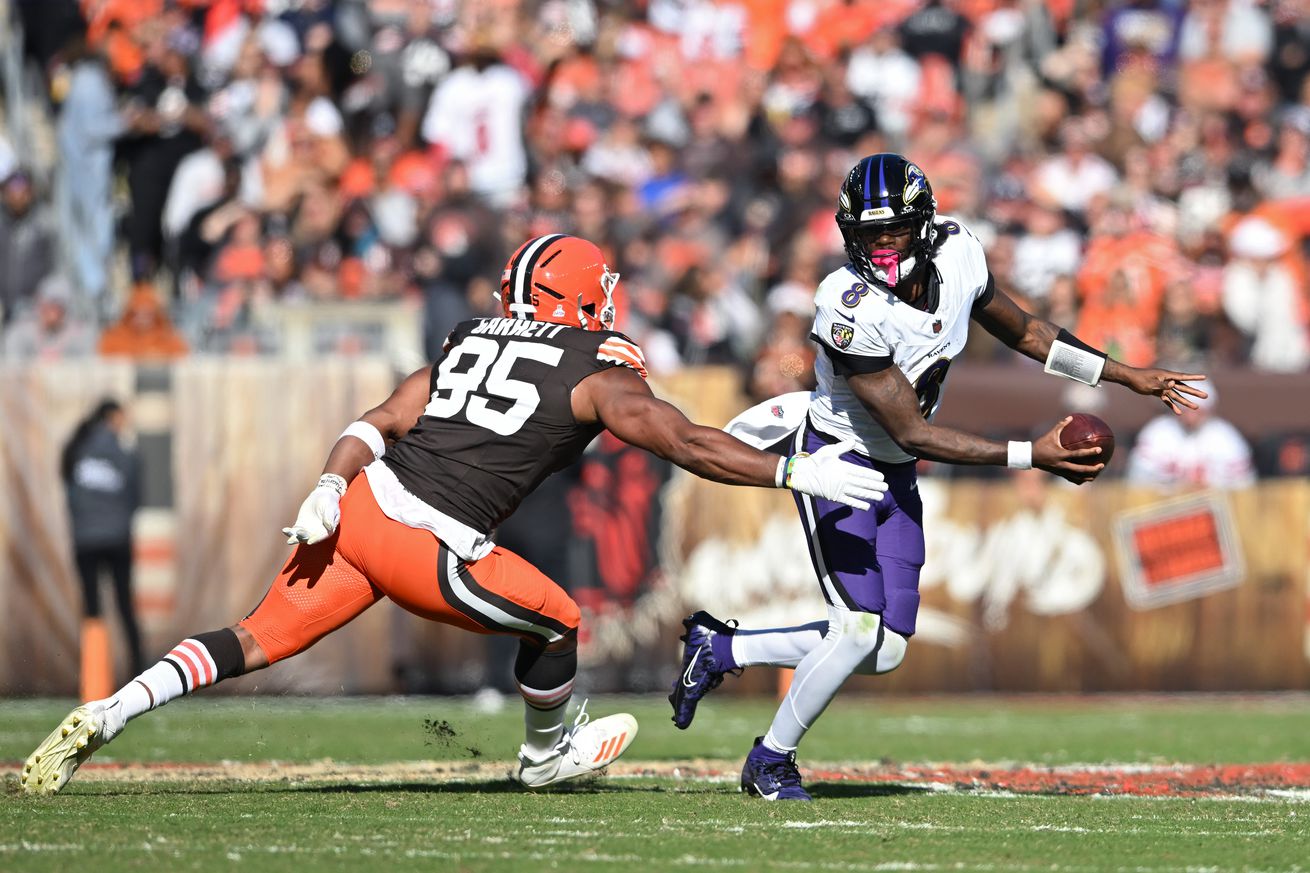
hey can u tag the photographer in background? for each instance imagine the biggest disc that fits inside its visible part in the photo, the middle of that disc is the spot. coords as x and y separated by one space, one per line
102 482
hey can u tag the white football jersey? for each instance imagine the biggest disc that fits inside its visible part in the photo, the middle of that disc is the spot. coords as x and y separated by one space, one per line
859 320
1214 455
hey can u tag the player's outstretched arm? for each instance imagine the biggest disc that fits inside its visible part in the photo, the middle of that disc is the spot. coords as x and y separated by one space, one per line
1064 354
622 401
890 399
362 442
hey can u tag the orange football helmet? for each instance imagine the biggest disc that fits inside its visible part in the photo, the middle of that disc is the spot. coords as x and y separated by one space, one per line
561 279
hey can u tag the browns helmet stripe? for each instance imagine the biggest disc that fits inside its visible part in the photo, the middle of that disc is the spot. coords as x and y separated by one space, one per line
521 269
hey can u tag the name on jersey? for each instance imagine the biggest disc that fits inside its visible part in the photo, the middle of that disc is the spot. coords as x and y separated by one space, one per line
517 327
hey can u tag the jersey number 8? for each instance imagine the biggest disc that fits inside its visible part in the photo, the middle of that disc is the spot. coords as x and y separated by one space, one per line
929 386
488 372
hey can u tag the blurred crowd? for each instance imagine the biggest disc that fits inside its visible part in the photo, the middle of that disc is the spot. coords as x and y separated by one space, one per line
1138 171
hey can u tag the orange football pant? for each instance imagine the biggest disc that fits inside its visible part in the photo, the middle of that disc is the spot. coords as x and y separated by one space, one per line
324 586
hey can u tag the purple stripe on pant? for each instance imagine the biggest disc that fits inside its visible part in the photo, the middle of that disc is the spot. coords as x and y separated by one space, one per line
868 560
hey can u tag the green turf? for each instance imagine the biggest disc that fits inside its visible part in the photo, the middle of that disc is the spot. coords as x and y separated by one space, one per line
655 824
1044 730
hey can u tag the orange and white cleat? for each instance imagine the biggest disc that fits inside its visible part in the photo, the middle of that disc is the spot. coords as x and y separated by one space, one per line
586 747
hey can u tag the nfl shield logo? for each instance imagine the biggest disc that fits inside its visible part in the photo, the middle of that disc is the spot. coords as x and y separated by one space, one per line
776 409
937 326
842 335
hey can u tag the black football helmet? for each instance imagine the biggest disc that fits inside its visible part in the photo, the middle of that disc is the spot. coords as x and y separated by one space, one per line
886 191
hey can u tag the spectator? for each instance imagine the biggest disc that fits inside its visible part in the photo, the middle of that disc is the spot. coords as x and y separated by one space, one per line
785 361
209 227
49 331
1048 250
1076 174
168 98
1184 335
144 332
27 244
102 482
1237 30
203 178
883 74
1264 297
476 116
1196 449
711 318
88 127
935 29
1287 174
1140 28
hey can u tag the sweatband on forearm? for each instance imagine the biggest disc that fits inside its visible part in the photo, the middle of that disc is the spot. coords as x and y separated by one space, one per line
369 435
1074 359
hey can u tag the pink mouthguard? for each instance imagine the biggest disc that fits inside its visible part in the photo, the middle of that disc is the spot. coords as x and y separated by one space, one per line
888 260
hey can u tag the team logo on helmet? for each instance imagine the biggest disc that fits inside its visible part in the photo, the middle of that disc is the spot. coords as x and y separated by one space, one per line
842 335
914 184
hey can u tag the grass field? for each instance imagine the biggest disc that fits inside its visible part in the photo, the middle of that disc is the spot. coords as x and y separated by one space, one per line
920 784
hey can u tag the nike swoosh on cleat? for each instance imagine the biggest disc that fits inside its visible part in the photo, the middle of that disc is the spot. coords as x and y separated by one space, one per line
773 796
686 677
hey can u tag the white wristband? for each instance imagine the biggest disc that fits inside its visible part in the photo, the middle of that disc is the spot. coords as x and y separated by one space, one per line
780 475
1020 455
1074 363
369 435
333 481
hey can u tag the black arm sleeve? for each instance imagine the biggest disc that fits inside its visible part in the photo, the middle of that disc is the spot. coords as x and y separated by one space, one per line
1069 339
986 296
853 365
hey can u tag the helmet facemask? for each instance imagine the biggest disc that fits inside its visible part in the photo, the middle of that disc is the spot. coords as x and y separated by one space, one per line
609 280
875 261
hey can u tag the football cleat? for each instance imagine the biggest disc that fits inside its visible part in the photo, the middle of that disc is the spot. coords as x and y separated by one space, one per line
79 735
772 775
701 671
585 748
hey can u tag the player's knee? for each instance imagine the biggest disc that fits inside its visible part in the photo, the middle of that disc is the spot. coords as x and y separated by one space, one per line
572 618
891 653
265 642
545 674
566 643
226 652
858 632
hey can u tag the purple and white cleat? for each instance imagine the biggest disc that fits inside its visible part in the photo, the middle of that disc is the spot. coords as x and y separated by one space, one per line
702 670
772 775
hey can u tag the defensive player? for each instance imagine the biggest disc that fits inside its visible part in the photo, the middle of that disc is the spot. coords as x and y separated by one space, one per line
446 458
889 324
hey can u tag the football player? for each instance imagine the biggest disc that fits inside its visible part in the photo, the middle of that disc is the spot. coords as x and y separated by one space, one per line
889 324
446 458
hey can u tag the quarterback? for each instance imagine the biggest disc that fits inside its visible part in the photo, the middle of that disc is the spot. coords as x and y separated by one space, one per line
889 324
446 459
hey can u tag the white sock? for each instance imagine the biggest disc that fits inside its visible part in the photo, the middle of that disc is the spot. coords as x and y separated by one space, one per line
544 729
186 668
776 647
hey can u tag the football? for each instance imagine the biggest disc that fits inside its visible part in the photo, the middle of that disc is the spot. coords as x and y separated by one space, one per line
1085 431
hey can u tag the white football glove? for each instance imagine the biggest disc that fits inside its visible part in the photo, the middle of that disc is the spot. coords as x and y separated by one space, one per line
319 514
824 474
